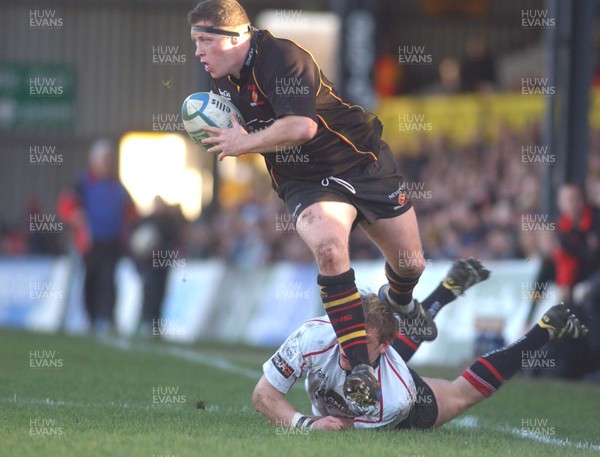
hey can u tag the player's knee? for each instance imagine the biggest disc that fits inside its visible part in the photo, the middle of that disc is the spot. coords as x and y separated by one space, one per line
331 254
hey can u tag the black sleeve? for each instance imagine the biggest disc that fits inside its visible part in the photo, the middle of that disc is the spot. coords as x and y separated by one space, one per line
289 77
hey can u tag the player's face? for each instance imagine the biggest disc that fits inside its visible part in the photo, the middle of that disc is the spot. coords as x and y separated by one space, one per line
216 52
374 349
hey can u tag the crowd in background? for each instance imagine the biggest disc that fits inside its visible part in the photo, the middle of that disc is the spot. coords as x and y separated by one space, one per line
480 200
470 201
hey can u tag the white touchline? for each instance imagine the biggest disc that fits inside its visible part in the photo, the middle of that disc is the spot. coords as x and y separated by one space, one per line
473 422
182 353
18 400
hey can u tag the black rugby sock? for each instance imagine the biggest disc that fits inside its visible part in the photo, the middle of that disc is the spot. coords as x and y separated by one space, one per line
493 369
439 298
343 304
401 288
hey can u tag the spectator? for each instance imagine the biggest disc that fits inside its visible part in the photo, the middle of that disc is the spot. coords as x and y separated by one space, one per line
159 235
578 253
100 211
478 70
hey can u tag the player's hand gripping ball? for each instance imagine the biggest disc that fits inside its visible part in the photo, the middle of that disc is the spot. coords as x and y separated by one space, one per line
207 109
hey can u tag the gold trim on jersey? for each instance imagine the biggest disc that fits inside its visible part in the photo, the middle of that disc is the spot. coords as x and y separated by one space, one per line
346 140
258 85
236 85
273 175
322 83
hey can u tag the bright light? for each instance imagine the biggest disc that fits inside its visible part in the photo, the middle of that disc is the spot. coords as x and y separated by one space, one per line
154 164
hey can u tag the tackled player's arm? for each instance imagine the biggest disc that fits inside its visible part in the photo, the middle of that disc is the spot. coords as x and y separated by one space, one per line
274 406
284 132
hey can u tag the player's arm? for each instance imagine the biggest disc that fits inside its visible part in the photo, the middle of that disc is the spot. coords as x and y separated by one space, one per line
284 132
296 117
279 411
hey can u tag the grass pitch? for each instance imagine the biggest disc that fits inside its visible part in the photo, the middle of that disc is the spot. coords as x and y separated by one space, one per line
78 396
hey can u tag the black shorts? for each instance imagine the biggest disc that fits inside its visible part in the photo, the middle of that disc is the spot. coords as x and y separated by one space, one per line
424 411
375 190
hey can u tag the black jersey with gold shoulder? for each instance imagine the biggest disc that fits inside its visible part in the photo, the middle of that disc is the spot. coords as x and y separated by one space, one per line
280 78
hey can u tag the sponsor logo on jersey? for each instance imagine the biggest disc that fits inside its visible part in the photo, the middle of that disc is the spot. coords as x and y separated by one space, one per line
282 366
335 400
225 93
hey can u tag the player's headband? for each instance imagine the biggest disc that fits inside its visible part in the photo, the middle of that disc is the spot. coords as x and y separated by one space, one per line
209 29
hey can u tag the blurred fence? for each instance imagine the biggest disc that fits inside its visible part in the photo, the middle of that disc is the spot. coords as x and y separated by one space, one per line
206 300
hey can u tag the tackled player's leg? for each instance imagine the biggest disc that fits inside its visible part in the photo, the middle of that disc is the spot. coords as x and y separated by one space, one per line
483 378
462 275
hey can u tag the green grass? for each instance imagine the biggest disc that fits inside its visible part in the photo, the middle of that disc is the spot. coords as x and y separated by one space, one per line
100 403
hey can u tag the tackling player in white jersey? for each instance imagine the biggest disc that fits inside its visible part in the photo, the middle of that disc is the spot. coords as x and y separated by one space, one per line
407 400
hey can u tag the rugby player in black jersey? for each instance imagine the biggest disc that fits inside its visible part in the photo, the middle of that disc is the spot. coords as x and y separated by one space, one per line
327 162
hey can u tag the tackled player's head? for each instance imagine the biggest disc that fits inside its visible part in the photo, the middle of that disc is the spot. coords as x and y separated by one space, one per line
220 13
380 317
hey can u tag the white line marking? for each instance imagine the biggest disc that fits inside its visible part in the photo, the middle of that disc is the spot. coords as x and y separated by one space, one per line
473 422
182 353
15 399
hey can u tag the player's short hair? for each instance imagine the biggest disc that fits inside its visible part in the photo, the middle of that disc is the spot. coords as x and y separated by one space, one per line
221 13
379 316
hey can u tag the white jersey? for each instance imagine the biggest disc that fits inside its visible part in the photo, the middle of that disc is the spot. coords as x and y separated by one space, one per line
313 351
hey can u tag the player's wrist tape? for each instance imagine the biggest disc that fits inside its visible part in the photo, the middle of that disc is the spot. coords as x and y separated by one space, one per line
301 421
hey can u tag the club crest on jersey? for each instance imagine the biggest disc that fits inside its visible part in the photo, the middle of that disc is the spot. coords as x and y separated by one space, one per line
256 101
282 366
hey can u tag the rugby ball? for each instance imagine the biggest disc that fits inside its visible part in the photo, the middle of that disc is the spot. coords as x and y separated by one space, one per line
207 109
